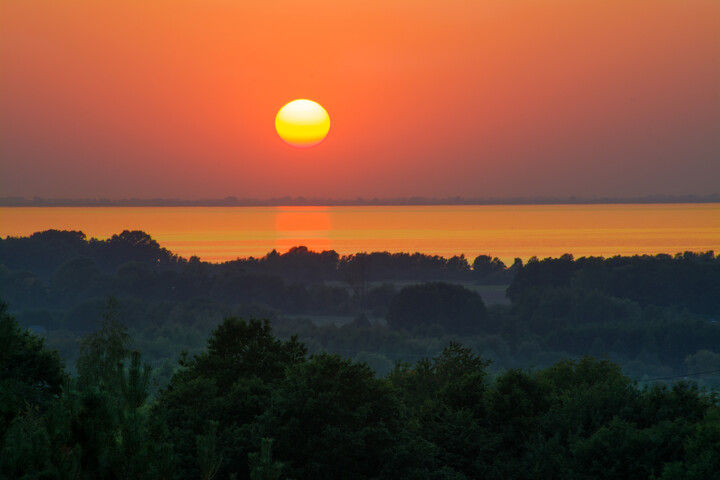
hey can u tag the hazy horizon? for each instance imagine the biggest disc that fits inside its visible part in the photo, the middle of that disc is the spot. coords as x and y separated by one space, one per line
360 201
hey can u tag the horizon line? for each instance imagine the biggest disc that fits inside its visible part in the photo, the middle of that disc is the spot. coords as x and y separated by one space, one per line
232 201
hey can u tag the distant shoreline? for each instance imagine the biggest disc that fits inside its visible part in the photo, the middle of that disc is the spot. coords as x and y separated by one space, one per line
303 201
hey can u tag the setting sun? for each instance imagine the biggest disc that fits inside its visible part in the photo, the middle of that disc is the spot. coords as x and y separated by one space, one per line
302 123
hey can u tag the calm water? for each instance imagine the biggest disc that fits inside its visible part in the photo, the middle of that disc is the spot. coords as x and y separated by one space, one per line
225 233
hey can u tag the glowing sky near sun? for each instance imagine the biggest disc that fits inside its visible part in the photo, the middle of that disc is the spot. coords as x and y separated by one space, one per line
177 98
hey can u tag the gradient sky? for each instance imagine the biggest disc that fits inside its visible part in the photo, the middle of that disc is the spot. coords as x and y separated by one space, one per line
476 98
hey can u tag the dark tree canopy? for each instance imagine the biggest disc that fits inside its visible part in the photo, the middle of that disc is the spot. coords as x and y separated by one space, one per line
540 410
453 307
689 280
30 375
333 419
444 417
230 383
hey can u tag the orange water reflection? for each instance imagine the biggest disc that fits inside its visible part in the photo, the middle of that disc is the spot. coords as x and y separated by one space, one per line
308 226
224 233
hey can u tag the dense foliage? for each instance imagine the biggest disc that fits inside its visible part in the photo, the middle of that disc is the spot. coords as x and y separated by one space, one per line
454 307
251 406
687 281
29 373
656 316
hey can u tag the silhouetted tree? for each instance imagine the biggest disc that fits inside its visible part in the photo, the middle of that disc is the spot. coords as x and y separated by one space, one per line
30 375
453 307
232 383
262 466
102 351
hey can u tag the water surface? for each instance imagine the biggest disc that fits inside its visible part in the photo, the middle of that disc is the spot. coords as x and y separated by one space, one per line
506 231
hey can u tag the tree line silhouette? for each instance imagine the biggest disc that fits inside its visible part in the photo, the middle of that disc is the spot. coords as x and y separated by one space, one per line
654 315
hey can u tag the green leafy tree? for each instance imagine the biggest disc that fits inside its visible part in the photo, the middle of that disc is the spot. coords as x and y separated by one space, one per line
209 458
101 429
133 448
515 402
232 382
262 466
455 379
239 350
443 400
486 268
333 419
134 384
26 453
585 395
356 273
30 375
453 307
702 451
102 351
617 450
74 280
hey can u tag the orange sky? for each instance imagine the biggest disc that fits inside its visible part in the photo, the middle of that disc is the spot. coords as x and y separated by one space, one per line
177 98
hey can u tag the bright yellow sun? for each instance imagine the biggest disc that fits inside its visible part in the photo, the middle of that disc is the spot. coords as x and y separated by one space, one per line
302 123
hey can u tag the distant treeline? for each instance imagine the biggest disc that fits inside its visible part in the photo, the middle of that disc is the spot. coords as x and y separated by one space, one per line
252 406
657 316
313 201
63 267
